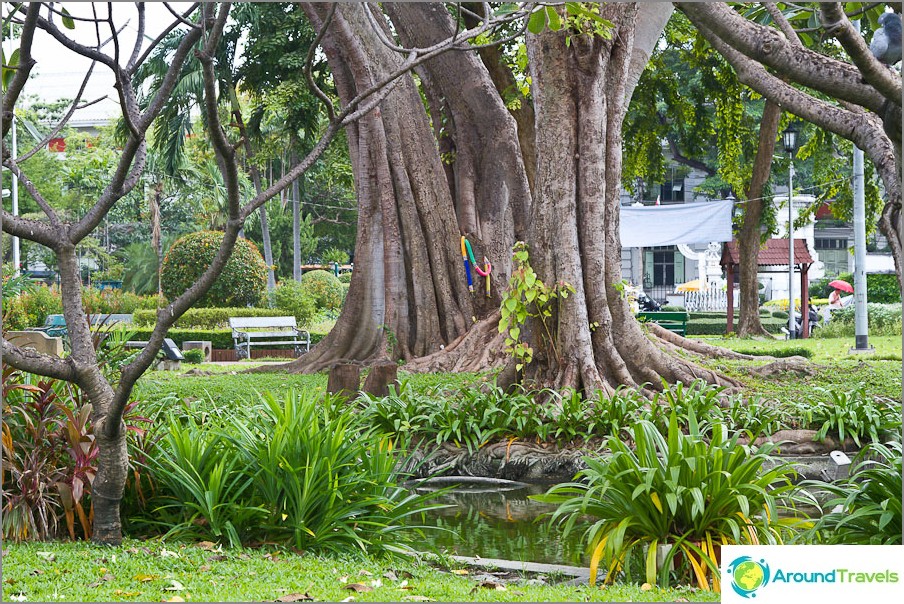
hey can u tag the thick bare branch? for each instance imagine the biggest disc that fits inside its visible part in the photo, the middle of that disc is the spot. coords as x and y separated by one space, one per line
32 230
770 48
31 361
863 129
783 24
139 37
836 23
23 69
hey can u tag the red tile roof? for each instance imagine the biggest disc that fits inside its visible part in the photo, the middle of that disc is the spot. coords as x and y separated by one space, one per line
774 253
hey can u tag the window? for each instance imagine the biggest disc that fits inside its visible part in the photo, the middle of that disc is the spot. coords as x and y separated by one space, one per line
672 190
664 265
833 254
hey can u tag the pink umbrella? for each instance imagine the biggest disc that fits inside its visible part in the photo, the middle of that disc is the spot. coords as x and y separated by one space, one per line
842 285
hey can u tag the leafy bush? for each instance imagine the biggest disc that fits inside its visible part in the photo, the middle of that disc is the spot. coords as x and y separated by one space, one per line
334 254
296 470
345 278
778 351
205 318
852 413
687 491
295 299
242 282
115 301
193 356
325 288
713 327
863 509
49 457
884 320
881 288
31 307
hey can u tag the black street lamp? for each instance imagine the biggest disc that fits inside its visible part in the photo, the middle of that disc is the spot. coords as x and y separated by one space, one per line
789 140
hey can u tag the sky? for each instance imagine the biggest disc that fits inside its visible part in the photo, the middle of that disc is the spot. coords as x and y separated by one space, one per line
59 71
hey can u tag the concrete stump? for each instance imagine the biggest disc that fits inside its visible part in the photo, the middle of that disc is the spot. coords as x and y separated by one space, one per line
205 345
380 377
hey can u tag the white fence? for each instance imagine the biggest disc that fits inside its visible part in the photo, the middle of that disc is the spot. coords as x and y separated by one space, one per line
714 298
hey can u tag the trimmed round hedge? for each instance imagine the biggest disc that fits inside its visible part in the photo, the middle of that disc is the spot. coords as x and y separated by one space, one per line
243 281
325 288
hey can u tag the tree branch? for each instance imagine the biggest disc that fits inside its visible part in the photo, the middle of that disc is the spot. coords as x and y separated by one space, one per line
863 129
779 18
885 80
23 69
165 33
770 48
51 214
139 38
32 361
32 230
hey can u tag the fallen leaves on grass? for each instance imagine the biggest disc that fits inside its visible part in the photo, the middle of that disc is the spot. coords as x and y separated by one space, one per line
459 571
144 578
174 586
358 587
207 545
417 599
48 556
295 598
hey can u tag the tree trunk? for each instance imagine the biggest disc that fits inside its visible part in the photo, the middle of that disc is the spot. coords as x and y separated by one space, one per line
492 196
749 238
268 249
296 225
407 296
579 89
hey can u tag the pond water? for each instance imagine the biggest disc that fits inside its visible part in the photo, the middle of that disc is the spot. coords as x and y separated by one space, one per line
502 523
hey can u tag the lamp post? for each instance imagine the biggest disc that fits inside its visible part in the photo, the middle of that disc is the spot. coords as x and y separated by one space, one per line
789 141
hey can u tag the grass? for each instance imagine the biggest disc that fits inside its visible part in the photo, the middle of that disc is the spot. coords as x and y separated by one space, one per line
823 349
155 571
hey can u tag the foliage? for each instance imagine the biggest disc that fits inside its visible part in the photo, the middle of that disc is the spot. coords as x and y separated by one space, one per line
527 296
881 288
219 338
115 301
853 414
295 299
712 327
204 318
334 254
778 351
193 356
865 507
49 457
692 492
31 307
883 320
324 288
242 282
295 470
345 278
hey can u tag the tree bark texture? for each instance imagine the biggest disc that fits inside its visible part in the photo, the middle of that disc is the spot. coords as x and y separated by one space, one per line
749 238
580 94
406 297
492 196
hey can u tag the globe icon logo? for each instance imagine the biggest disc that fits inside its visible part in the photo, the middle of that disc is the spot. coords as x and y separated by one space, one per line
748 575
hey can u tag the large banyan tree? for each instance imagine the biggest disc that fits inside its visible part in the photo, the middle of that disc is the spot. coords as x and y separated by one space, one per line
408 291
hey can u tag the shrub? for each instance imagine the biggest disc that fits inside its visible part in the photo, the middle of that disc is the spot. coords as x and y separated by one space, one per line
882 288
325 288
242 282
295 470
345 278
688 491
193 356
114 301
884 320
295 299
205 318
865 508
334 254
713 327
30 308
852 413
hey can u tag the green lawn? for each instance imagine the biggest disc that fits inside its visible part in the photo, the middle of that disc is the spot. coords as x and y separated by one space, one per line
823 349
153 571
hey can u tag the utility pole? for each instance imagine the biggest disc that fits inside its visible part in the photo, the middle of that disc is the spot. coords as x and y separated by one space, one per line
861 322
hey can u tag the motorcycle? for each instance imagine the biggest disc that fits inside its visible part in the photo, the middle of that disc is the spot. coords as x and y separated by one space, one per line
647 304
815 322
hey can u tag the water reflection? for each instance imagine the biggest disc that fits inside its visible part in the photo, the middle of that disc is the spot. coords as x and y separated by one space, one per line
499 523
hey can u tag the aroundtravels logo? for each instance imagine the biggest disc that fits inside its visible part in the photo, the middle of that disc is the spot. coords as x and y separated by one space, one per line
748 575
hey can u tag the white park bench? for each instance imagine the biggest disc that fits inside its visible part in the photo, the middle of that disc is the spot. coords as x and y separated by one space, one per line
267 331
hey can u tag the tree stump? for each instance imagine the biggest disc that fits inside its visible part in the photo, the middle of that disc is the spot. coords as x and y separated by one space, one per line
344 380
380 377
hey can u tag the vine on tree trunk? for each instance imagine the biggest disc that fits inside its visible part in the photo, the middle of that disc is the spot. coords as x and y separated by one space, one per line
527 296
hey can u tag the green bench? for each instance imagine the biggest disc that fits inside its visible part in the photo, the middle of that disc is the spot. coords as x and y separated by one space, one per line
673 321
